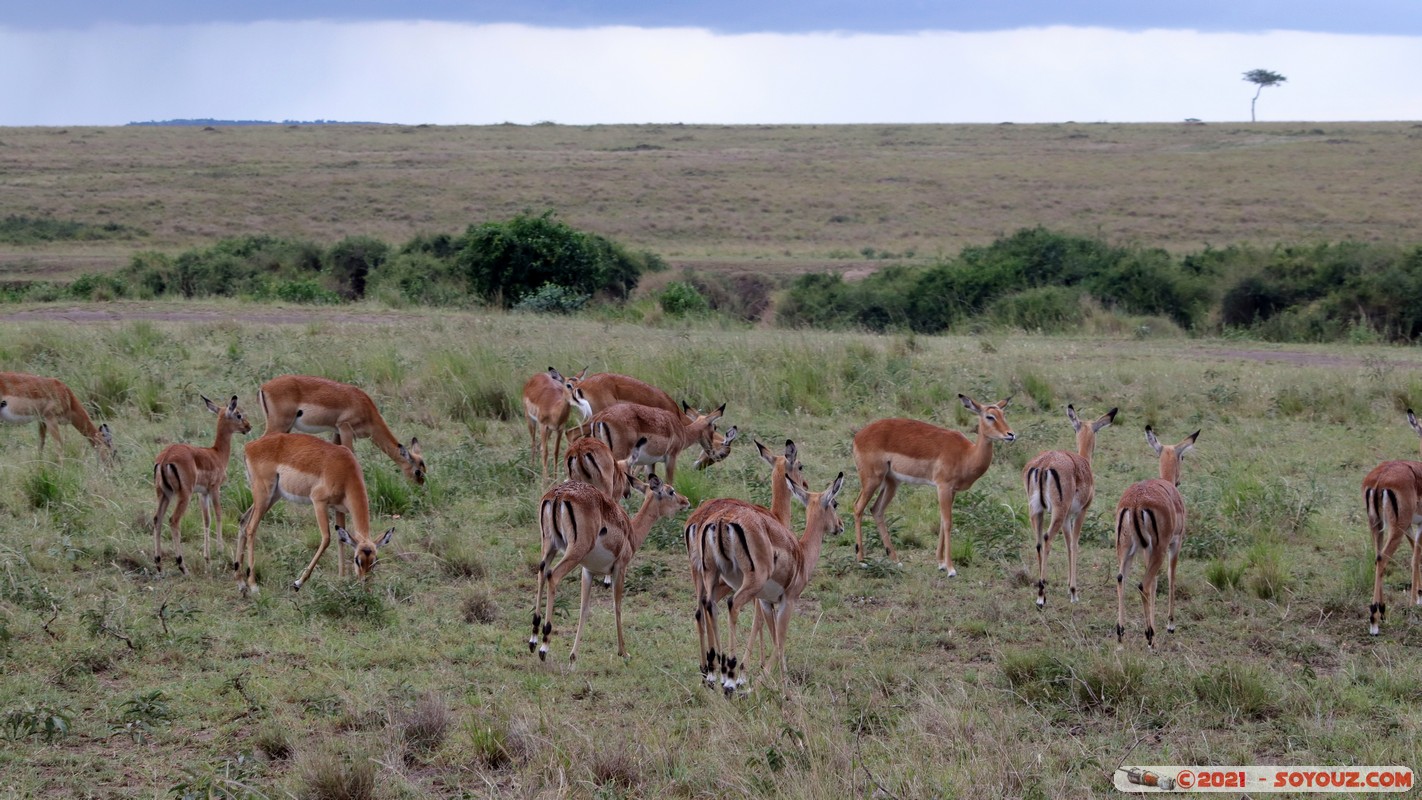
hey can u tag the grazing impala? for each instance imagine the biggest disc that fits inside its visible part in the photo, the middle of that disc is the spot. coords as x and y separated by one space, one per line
183 469
307 404
667 434
547 400
1060 488
31 398
893 451
592 532
1150 519
305 469
761 561
1392 493
785 471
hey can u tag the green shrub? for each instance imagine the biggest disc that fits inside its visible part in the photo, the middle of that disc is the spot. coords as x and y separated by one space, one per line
681 298
504 261
350 262
550 298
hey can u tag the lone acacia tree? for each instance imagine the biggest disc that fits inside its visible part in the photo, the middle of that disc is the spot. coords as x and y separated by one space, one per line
1261 78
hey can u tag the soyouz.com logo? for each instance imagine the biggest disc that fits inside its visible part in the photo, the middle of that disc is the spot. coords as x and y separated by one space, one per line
1263 779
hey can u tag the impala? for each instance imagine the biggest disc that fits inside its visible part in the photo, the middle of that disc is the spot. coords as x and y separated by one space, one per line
1150 519
31 398
760 560
785 471
667 434
593 532
893 451
183 469
308 404
547 401
1060 488
305 469
1392 493
607 389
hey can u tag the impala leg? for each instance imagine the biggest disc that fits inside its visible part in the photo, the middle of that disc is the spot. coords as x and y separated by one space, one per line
553 577
1073 544
618 574
1125 552
891 487
583 616
532 440
671 468
323 522
744 595
543 448
204 505
1036 511
1170 587
860 503
783 612
1379 609
1416 565
1147 589
345 437
945 531
262 499
180 507
163 500
214 498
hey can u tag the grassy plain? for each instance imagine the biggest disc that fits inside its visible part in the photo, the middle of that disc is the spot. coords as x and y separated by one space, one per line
903 683
771 198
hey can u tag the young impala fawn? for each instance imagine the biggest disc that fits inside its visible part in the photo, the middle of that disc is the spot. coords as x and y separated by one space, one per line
182 470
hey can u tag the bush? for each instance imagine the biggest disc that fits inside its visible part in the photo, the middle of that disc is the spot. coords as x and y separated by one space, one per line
681 298
352 260
304 291
504 261
550 298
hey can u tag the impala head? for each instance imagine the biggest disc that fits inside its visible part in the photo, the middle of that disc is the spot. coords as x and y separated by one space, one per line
105 444
992 422
412 462
578 400
662 497
793 468
1086 434
821 505
364 550
1170 456
714 447
230 415
1416 426
721 451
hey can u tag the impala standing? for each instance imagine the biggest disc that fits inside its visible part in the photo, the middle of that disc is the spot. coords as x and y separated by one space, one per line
893 451
308 404
305 469
31 398
1392 493
547 401
593 532
1150 519
183 469
785 471
1060 487
590 461
761 561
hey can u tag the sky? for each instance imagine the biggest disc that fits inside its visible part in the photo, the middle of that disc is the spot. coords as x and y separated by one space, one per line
100 62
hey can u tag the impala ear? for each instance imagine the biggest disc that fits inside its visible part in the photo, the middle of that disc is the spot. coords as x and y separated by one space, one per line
1003 402
763 453
106 434
731 435
1152 441
211 406
790 450
580 375
653 482
798 492
1071 415
1105 419
969 404
414 447
345 538
384 540
1187 445
833 491
634 481
1412 420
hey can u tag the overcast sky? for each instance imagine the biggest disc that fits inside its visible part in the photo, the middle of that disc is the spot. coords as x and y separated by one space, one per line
102 62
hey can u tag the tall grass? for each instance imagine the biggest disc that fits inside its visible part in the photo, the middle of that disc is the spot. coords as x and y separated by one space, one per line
900 680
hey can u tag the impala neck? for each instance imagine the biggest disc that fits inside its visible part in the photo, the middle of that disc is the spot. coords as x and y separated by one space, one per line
812 542
1170 466
643 521
1086 442
980 457
222 444
779 493
79 418
384 439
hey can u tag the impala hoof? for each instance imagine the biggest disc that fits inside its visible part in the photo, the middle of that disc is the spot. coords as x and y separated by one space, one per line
543 653
1373 629
533 644
296 586
1041 601
952 573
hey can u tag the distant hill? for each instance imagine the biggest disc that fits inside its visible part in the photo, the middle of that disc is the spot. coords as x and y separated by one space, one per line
215 122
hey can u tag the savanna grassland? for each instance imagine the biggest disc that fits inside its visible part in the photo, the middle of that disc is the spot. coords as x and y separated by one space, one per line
902 682
774 198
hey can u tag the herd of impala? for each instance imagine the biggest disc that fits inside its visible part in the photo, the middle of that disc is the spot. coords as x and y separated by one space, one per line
738 553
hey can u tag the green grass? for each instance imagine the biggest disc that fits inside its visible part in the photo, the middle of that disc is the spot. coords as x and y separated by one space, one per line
901 681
